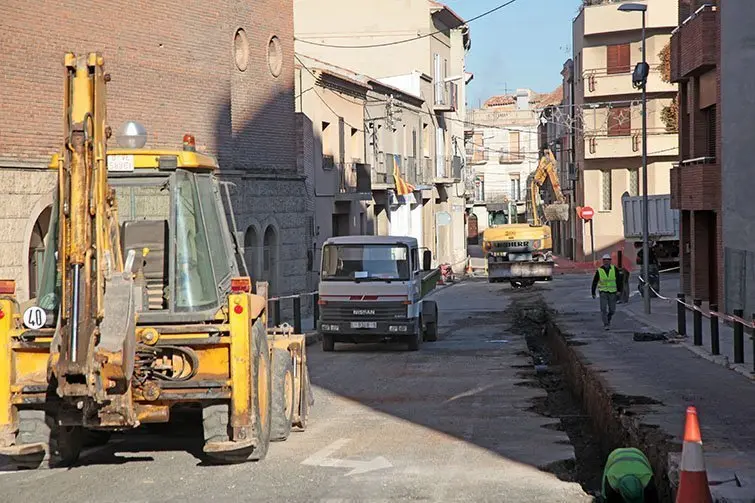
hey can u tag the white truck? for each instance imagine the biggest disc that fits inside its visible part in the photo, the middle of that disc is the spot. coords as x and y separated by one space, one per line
372 289
663 226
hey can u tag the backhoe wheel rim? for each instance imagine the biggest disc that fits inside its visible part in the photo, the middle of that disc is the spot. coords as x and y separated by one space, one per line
288 393
262 391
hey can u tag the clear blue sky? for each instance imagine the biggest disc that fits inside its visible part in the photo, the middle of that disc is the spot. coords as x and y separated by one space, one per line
523 45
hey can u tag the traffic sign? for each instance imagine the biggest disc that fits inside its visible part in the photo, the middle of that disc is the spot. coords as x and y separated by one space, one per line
587 213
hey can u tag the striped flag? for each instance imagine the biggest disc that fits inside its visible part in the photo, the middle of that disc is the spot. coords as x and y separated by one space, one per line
402 186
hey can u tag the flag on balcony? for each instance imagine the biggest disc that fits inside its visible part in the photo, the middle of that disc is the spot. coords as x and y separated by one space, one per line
402 186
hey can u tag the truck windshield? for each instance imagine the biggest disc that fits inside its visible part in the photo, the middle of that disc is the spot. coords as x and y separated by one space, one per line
497 218
365 263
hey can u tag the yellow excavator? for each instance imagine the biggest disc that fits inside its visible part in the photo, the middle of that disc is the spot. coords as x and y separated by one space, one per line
522 252
146 307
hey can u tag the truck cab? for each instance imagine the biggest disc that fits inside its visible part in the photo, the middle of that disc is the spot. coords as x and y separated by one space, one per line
373 289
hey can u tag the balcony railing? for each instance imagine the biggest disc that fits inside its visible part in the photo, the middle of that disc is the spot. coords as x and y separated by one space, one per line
354 178
446 97
510 157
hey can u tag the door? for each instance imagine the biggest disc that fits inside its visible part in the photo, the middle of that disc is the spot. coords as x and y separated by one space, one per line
473 232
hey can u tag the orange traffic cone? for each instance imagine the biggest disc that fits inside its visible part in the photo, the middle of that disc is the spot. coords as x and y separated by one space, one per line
693 479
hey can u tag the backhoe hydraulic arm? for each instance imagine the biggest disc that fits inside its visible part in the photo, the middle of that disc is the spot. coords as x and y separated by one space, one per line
90 355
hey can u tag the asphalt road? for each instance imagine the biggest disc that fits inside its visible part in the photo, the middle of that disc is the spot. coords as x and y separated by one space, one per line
446 424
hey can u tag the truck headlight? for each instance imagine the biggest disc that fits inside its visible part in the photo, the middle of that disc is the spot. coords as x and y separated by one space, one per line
401 328
333 328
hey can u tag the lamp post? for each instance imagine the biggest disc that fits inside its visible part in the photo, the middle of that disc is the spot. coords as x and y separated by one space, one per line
639 81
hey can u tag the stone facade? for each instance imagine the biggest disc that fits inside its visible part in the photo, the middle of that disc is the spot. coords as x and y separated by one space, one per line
222 72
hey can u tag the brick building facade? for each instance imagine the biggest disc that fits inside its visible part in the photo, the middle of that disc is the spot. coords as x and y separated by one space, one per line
221 70
696 181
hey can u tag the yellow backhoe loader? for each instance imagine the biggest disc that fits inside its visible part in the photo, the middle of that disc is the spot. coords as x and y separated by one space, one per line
522 252
145 304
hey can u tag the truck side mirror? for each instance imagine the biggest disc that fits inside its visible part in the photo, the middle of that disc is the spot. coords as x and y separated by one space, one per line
427 260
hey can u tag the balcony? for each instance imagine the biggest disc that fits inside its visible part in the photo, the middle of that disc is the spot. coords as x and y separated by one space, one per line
446 96
354 182
694 44
477 155
609 147
511 158
696 185
447 169
600 84
603 16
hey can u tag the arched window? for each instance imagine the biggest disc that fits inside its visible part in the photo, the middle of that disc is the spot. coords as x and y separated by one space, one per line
37 250
270 258
252 252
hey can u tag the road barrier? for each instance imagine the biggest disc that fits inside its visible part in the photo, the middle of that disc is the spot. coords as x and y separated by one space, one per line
736 320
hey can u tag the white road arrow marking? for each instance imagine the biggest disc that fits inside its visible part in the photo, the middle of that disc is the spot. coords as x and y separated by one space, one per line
322 458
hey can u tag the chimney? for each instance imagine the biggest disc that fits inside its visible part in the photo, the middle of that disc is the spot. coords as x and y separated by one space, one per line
522 99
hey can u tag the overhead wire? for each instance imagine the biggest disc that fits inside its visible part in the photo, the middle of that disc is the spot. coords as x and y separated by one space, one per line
404 41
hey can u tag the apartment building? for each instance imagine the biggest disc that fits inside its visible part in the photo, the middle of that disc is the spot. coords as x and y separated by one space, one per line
502 146
737 124
607 44
422 55
696 180
353 122
229 82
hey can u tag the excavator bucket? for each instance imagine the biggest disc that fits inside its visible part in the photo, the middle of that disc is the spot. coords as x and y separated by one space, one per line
556 212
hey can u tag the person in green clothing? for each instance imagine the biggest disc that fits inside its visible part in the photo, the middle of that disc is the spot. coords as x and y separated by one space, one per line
608 281
628 478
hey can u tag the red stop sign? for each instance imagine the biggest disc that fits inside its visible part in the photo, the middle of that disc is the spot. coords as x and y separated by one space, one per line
587 213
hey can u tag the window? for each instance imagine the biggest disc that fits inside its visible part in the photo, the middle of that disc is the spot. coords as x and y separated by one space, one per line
710 116
215 228
195 285
415 260
516 188
619 121
275 56
514 153
365 263
617 58
606 191
634 182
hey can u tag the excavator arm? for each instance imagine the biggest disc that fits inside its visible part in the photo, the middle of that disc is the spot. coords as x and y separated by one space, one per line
546 170
92 353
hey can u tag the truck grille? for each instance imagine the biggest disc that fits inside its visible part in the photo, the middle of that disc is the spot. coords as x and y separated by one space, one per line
363 310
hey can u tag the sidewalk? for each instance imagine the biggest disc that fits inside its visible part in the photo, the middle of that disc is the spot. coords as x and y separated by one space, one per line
663 318
651 383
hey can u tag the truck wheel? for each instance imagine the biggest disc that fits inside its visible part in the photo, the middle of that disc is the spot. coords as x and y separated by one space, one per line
63 443
216 417
282 413
431 327
328 342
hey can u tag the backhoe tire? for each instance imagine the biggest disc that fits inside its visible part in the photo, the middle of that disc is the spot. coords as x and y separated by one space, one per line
328 343
64 443
216 417
282 408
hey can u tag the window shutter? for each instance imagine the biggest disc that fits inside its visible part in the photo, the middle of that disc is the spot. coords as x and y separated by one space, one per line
617 58
619 121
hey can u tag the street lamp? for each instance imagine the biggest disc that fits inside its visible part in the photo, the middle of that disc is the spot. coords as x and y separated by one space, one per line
639 81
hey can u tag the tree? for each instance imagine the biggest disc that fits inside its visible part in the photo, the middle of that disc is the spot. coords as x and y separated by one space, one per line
670 113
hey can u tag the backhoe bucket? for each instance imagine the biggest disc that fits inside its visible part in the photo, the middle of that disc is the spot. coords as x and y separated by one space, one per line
556 212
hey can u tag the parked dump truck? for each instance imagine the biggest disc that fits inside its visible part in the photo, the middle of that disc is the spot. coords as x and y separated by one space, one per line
663 226
373 288
145 305
522 252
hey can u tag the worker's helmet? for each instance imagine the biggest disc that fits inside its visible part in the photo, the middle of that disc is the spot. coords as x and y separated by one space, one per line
631 489
606 257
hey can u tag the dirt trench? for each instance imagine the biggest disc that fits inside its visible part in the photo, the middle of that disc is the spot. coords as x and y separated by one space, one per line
595 419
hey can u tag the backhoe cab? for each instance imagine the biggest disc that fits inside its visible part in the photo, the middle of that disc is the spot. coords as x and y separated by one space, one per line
145 303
